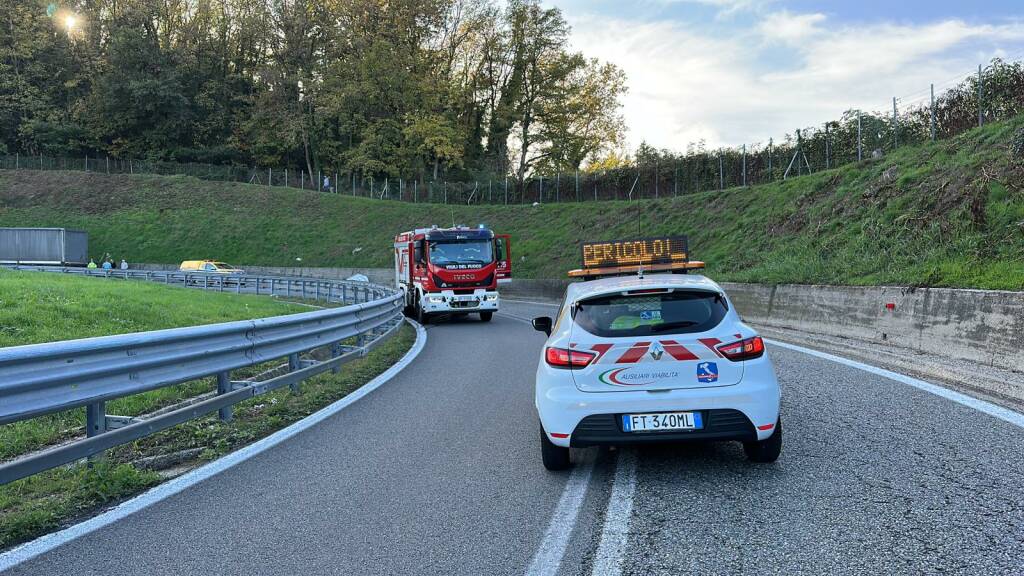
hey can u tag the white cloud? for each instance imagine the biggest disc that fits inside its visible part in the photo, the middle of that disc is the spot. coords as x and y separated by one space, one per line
790 28
785 71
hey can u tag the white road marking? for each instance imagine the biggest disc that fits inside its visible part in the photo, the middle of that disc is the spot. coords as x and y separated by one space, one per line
553 545
48 542
615 531
1004 414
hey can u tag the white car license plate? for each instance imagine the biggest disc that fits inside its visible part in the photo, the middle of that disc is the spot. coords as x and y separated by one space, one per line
664 421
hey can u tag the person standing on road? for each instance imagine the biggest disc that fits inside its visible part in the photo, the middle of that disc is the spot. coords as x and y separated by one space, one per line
124 264
327 184
91 264
108 265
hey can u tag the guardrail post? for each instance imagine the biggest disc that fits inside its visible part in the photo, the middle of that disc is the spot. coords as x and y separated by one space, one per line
335 352
272 286
223 387
344 293
288 288
95 419
206 282
317 290
293 365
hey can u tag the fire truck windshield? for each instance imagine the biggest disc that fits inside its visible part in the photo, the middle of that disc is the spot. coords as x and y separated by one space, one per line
451 253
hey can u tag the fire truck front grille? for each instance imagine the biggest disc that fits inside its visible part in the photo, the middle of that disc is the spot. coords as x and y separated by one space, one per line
446 285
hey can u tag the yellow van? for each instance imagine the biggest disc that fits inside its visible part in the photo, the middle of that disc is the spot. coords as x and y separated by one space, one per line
210 266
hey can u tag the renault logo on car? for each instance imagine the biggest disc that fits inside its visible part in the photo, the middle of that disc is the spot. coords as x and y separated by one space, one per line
656 352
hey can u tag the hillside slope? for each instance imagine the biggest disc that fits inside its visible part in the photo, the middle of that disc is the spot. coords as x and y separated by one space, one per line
945 214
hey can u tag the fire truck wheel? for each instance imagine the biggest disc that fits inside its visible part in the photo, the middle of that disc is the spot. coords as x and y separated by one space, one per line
421 316
554 457
486 316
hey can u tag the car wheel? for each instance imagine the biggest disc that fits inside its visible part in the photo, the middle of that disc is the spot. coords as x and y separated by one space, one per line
767 450
554 457
486 316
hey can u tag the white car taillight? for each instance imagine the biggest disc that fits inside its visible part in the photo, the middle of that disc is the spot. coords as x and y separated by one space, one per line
562 358
746 349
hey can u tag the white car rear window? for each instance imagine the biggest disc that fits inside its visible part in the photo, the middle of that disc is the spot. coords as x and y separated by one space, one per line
675 312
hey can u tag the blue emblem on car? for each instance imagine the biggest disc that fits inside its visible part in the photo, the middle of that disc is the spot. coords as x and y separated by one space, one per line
707 372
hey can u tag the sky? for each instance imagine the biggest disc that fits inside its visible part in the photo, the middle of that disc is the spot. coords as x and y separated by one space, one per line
731 72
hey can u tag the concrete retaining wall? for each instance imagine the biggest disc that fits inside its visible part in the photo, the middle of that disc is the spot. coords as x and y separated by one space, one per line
985 326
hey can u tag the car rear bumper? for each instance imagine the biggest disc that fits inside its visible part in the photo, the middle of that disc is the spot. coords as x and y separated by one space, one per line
719 424
730 413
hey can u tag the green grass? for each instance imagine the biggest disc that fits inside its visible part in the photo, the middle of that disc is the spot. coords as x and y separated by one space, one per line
45 502
36 307
949 213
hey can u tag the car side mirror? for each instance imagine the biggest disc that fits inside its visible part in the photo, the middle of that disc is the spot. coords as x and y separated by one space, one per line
542 324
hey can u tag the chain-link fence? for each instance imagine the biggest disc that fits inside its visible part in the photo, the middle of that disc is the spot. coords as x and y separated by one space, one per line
995 92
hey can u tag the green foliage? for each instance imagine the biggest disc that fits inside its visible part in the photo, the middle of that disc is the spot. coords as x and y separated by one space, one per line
1017 146
379 89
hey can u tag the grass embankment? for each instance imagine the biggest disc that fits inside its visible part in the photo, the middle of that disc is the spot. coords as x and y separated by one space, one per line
42 307
949 213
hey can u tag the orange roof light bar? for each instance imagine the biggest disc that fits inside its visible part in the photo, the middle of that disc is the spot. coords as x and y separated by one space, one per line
622 270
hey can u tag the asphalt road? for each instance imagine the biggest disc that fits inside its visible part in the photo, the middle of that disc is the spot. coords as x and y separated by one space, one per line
438 472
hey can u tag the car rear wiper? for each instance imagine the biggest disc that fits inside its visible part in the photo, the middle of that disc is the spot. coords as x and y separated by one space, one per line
671 325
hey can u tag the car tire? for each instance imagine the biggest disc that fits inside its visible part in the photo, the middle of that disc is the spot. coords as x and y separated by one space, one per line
486 316
422 317
765 451
554 457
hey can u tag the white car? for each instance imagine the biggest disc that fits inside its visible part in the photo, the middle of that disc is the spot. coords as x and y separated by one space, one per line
657 358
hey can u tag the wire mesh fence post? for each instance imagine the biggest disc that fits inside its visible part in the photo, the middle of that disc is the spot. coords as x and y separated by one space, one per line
933 113
445 191
506 190
770 175
270 176
860 141
721 172
540 195
895 125
577 177
981 114
744 165
828 150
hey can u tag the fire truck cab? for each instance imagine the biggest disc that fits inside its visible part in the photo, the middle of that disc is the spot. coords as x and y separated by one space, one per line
452 270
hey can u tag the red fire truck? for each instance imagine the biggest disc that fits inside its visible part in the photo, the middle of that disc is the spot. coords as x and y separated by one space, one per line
452 270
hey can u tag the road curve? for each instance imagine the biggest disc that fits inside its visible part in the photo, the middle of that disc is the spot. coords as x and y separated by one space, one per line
438 472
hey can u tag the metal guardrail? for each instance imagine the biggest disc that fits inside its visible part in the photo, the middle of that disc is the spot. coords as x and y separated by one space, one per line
41 379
